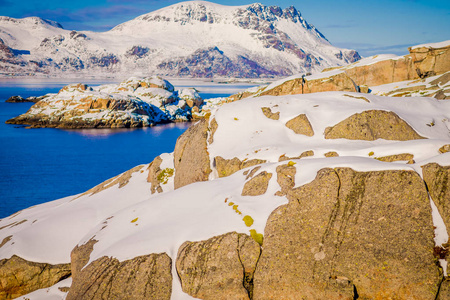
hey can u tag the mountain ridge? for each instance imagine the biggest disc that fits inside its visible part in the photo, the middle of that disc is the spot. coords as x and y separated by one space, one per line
273 41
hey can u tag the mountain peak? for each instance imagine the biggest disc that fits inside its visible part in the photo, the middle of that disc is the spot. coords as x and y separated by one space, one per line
31 21
193 39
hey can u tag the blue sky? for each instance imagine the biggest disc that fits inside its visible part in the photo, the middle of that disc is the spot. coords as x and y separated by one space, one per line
371 27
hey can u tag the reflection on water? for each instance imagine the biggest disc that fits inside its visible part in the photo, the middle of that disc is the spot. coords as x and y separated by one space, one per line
105 132
32 82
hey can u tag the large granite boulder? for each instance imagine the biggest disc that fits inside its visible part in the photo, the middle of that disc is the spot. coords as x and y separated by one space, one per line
219 268
191 158
430 60
350 234
371 125
143 277
19 276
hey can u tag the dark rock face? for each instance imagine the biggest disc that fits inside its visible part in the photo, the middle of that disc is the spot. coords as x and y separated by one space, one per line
9 59
260 18
15 99
191 158
348 233
77 35
106 61
6 53
19 276
212 62
219 268
138 51
371 125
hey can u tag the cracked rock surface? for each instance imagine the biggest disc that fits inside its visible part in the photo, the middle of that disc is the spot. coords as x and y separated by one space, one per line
350 231
221 267
143 277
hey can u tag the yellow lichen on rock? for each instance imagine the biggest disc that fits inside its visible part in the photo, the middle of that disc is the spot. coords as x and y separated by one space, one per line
248 221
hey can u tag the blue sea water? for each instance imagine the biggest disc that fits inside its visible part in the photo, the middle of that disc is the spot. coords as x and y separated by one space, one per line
40 165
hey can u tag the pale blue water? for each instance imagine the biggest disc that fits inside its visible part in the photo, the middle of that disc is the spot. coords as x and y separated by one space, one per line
40 165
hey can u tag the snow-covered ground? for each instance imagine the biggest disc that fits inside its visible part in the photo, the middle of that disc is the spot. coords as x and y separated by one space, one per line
129 221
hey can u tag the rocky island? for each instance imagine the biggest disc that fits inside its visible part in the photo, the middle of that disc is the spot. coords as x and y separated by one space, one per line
135 102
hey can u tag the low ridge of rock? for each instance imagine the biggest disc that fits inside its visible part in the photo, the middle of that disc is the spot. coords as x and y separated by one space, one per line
410 71
226 167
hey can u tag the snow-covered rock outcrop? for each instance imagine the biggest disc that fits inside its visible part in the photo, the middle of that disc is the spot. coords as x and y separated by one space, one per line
424 72
271 197
188 39
135 102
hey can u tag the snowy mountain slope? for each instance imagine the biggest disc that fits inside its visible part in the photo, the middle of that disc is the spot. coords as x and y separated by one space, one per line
189 39
21 34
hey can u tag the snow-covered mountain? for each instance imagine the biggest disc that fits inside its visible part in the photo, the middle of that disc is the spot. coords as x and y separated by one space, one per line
188 39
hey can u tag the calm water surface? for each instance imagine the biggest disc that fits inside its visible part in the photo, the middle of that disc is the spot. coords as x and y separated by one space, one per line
39 165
